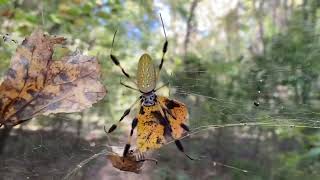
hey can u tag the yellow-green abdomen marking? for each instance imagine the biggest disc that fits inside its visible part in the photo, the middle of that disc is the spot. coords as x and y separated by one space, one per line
146 75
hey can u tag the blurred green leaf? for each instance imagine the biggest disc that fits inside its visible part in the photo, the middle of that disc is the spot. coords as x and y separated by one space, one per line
55 18
314 152
3 2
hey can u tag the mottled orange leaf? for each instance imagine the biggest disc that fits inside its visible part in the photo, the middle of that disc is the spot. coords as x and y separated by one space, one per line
180 113
35 84
151 133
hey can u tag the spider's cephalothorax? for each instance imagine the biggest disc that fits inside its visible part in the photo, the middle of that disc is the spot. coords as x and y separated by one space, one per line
148 99
158 116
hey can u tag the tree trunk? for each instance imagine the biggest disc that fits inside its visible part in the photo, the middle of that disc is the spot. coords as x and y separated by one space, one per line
190 25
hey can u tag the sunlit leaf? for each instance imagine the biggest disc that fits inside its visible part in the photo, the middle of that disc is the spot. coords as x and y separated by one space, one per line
34 84
2 2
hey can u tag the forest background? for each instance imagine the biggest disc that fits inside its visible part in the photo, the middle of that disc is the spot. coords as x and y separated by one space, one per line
251 66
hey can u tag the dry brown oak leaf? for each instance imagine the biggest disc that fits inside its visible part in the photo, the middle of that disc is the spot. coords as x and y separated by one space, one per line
130 163
35 84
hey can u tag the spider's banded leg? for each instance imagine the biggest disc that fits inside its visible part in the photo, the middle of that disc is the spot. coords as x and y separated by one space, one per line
127 146
117 62
166 84
165 109
185 127
148 159
165 45
180 147
141 158
127 86
126 112
168 126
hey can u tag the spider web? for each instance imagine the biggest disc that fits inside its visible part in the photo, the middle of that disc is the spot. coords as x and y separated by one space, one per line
218 125
239 112
218 122
241 121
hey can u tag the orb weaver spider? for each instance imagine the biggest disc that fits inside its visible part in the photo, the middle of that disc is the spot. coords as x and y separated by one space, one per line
159 118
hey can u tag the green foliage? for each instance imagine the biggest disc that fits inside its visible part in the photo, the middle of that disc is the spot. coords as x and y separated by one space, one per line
254 51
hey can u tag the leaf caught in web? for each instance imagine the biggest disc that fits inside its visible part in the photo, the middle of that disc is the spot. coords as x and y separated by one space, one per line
128 163
35 84
133 162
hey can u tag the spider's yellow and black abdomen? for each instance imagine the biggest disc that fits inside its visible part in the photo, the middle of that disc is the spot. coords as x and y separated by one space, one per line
151 133
146 74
